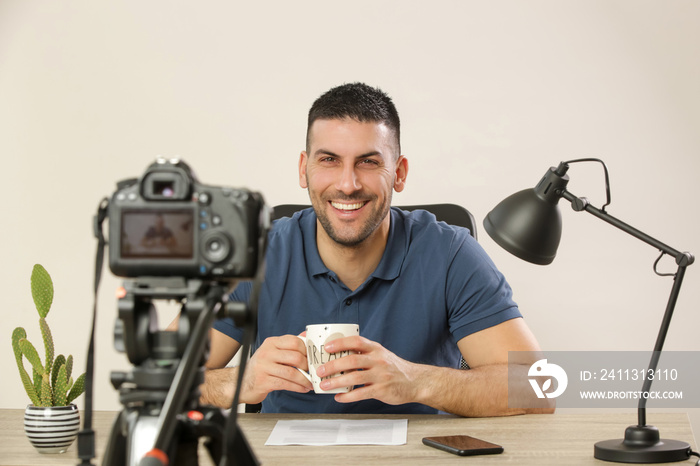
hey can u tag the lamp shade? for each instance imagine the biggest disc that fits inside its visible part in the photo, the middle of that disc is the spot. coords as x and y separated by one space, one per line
528 223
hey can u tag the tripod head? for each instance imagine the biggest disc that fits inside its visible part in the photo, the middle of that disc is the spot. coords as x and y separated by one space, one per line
161 394
156 354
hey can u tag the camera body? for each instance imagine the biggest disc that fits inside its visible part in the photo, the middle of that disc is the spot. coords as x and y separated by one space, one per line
167 224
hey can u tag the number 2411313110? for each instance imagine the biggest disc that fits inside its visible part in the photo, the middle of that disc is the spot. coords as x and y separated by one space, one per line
630 374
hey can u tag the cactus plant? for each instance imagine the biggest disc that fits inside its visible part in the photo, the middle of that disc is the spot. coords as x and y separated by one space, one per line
51 383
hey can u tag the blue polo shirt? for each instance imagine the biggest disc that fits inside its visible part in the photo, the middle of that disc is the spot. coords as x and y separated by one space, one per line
433 286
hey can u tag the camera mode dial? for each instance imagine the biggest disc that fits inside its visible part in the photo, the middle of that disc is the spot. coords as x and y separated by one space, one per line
216 246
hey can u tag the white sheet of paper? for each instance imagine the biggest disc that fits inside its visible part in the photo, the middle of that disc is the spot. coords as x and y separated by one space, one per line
322 432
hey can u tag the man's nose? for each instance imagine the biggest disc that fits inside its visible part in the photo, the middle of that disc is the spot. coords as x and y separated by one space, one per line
348 181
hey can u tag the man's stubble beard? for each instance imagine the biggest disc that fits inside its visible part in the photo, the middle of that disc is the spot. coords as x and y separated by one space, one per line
375 219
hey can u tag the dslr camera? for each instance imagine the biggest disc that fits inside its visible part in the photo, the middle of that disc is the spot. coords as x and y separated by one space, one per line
167 224
174 238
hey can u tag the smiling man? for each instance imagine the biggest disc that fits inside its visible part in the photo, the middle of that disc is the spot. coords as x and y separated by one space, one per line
423 293
350 170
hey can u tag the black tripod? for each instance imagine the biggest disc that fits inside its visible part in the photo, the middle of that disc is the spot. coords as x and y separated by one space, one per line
162 420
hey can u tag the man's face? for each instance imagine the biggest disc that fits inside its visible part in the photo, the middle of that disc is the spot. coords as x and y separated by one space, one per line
350 171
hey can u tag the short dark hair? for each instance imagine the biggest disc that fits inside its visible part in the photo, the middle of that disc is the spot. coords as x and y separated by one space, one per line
359 102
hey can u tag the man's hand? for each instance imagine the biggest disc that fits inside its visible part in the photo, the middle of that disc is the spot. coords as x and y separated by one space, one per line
480 391
273 367
383 375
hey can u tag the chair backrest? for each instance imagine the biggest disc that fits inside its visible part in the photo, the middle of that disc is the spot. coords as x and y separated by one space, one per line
449 213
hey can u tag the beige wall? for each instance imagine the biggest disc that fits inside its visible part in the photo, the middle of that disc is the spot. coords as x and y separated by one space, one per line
490 93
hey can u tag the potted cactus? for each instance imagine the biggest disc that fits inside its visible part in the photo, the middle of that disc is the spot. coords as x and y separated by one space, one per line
52 421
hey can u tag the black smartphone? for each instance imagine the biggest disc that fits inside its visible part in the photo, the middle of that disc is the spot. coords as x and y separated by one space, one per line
463 445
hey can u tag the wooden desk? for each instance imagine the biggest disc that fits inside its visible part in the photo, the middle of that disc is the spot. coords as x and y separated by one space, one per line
559 439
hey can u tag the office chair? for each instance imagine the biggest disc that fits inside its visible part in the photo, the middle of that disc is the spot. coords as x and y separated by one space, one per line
452 214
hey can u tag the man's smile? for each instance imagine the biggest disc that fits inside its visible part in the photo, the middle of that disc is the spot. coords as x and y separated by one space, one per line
348 207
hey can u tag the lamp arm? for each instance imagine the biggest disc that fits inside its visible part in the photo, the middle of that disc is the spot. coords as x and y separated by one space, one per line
581 203
661 337
683 259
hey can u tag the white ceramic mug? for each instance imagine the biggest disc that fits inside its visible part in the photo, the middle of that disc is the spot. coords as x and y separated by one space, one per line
316 338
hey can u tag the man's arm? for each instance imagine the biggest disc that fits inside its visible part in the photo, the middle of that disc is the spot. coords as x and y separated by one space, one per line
219 381
480 391
272 367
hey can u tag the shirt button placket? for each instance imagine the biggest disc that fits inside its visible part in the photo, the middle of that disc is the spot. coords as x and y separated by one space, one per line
349 309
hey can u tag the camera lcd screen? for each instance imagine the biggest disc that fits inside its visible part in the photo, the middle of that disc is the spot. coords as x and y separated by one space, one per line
157 234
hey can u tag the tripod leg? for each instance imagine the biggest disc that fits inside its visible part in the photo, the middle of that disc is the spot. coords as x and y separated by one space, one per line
115 454
212 427
186 452
244 455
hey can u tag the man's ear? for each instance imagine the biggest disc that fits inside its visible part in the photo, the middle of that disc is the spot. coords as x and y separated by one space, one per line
401 173
302 170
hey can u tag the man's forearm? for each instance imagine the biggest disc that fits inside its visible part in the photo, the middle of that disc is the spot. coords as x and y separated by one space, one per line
219 387
477 392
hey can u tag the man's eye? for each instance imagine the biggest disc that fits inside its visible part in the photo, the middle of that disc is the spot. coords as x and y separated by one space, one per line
369 161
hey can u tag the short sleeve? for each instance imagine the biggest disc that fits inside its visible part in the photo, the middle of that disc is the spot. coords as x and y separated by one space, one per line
478 295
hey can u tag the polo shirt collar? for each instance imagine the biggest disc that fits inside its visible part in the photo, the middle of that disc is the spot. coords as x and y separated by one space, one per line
307 222
389 266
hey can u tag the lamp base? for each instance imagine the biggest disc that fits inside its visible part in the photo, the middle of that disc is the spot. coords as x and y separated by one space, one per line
642 445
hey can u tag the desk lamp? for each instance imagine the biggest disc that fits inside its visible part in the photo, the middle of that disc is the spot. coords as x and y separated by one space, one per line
528 225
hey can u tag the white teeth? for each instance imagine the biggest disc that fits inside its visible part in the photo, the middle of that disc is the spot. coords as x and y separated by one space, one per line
340 206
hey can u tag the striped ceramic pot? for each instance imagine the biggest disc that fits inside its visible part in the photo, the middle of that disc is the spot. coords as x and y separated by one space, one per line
51 429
